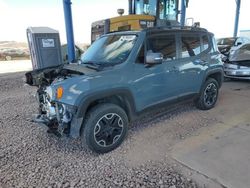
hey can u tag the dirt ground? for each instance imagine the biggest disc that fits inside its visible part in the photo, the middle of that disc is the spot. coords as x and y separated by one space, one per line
31 157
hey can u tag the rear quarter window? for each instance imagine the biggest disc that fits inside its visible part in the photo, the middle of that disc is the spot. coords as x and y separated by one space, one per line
205 43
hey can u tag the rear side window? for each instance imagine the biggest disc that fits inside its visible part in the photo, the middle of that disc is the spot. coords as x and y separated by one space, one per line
205 42
165 44
215 47
190 45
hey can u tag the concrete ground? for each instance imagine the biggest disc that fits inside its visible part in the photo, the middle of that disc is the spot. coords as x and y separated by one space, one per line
221 152
15 66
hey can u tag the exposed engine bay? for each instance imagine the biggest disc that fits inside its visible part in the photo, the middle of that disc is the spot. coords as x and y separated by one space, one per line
55 115
44 77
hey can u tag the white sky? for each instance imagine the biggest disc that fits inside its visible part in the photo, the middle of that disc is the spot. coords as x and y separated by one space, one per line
215 15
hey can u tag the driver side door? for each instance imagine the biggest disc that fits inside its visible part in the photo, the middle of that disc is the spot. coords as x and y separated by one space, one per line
154 84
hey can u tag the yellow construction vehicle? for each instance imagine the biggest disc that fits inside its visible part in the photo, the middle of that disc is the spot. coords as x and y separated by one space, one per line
141 14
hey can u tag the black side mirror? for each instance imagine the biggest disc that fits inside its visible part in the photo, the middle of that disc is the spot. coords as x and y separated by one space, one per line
239 43
154 58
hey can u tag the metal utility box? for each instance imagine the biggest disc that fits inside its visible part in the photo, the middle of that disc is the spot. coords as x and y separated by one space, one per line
45 47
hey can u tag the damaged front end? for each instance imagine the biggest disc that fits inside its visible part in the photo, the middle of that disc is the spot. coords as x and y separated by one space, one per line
237 70
56 115
238 66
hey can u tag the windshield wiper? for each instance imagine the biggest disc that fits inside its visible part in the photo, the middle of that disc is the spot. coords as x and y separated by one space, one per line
108 64
92 65
98 65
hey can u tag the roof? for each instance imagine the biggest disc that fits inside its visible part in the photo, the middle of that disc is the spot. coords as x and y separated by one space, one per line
175 28
41 30
153 30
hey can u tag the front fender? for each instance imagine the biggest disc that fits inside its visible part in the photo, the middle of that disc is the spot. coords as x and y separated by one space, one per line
83 102
72 89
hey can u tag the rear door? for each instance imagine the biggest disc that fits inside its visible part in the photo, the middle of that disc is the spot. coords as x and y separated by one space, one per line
192 62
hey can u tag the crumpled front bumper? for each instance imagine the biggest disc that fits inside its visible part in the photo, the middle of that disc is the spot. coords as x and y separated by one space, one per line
236 71
64 122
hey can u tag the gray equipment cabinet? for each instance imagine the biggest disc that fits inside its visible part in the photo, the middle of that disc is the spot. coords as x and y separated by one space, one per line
45 47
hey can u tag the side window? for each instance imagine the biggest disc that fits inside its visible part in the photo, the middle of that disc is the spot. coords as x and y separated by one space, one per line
215 47
239 41
191 46
164 44
205 43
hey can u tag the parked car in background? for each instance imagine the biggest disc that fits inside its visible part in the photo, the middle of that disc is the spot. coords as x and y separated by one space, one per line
12 50
238 65
231 43
13 53
78 53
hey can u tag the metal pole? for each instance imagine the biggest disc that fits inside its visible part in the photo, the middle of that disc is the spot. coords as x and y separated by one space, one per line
132 6
69 30
129 6
237 15
183 12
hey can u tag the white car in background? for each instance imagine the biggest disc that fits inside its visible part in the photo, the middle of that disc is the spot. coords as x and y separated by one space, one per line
238 65
229 44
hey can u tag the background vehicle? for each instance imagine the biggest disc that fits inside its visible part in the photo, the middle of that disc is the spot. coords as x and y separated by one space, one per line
142 14
238 66
13 53
231 43
78 52
124 74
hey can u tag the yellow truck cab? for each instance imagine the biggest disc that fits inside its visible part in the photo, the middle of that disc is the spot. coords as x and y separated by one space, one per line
142 14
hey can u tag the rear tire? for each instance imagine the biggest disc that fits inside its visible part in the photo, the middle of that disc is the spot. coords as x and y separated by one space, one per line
105 127
208 95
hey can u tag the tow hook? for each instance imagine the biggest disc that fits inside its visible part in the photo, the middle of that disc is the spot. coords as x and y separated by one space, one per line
38 118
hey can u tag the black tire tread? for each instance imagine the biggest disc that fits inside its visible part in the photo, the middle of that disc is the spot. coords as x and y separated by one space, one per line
199 101
90 117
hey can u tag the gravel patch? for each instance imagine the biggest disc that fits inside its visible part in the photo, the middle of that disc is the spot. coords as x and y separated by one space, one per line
29 157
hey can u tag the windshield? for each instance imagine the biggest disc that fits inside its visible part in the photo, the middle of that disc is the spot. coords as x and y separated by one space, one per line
226 41
167 8
146 7
112 49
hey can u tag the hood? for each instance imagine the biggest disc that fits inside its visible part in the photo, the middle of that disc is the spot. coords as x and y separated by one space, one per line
47 75
78 68
240 54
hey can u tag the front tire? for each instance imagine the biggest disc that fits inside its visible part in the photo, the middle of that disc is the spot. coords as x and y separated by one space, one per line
208 95
105 128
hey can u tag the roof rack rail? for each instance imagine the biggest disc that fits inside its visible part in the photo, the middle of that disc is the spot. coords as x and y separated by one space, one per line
172 27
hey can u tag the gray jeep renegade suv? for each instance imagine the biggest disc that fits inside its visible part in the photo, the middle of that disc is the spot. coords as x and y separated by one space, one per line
121 75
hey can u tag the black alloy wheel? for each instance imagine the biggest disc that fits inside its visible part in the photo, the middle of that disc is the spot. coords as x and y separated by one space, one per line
108 129
208 95
105 127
